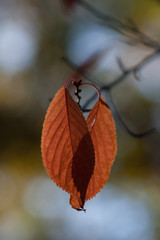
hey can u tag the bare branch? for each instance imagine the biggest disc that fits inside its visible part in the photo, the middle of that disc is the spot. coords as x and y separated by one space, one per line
121 65
129 30
133 134
124 75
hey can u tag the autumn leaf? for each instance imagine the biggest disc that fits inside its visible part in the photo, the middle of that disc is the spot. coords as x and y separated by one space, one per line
78 153
67 149
103 133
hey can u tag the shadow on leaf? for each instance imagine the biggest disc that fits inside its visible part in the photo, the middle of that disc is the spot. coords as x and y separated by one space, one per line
82 169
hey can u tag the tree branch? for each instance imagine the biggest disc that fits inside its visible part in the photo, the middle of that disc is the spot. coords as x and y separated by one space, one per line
129 30
136 135
133 70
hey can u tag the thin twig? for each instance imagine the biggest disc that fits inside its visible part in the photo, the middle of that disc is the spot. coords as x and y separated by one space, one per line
77 91
129 30
80 71
133 134
124 75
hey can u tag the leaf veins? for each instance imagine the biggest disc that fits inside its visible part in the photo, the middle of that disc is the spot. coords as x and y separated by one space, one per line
67 148
103 133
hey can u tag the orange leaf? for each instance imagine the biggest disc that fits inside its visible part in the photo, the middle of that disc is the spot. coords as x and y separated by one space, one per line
103 133
67 149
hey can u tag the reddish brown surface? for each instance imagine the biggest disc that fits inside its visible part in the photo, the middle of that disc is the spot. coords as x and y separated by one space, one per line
77 157
67 149
103 133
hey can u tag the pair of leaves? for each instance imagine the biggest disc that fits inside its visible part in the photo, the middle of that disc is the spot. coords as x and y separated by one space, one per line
78 153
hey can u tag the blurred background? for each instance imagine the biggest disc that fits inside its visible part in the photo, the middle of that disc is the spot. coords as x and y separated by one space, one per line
34 37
